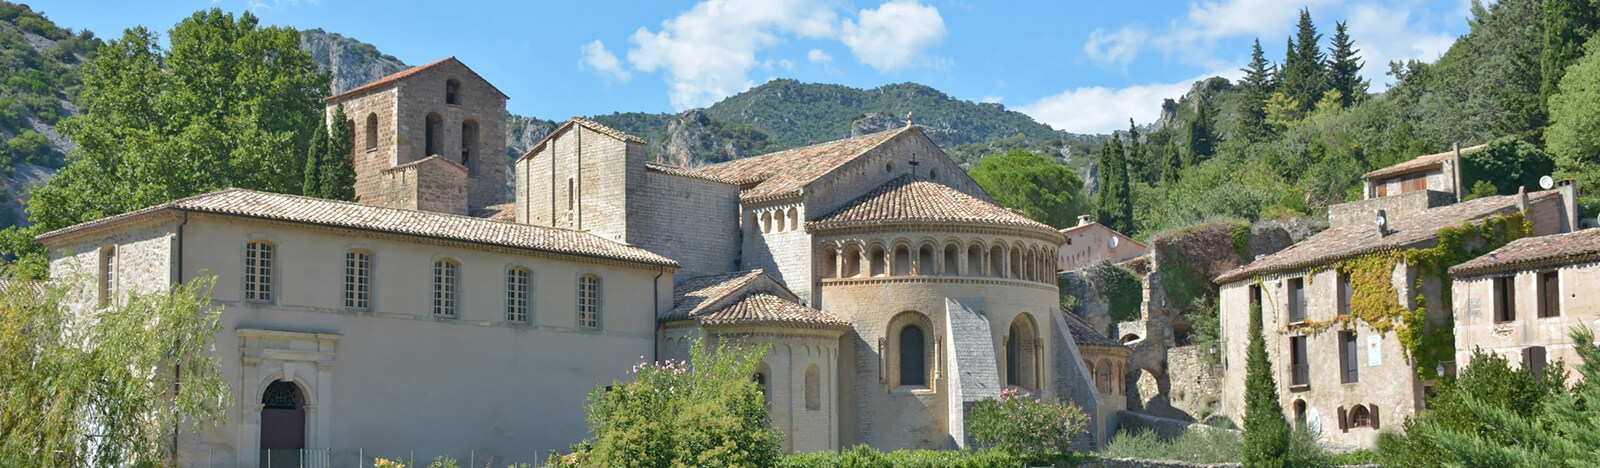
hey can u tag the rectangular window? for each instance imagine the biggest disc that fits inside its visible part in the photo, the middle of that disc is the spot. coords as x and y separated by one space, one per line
1347 292
1505 303
444 289
1533 360
258 272
1549 294
589 301
108 274
1297 300
1300 371
357 280
1347 358
517 295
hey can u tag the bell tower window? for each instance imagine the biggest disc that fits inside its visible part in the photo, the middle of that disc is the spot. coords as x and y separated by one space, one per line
452 92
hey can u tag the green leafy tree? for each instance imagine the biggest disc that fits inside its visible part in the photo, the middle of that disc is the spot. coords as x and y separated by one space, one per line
1344 68
1115 204
338 172
702 412
1574 133
312 186
101 392
231 104
1304 75
1257 87
1266 431
1507 163
1045 191
1568 25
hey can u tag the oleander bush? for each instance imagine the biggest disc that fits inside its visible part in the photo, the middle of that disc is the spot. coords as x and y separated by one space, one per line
1028 426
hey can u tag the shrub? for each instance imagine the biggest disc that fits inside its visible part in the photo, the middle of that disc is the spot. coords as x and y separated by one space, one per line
866 457
702 412
1194 446
1029 426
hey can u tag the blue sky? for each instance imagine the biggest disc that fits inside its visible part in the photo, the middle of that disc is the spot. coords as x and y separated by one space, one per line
1081 66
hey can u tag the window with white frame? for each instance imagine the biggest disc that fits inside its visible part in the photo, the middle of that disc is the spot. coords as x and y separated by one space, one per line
357 280
517 294
258 268
445 288
108 274
589 301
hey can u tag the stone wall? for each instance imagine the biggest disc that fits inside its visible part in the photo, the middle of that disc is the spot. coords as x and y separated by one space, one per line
433 184
372 155
781 246
1394 206
1476 327
694 221
883 163
580 180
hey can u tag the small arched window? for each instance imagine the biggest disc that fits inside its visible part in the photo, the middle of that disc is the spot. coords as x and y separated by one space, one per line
830 262
1360 417
913 365
794 219
452 92
108 274
469 143
372 131
433 128
517 288
813 388
445 288
589 301
258 268
357 280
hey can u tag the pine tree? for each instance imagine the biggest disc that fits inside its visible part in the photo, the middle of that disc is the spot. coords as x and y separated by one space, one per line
1257 84
1567 26
1137 166
1304 78
1344 68
1173 160
1200 138
1266 431
314 153
1115 204
338 171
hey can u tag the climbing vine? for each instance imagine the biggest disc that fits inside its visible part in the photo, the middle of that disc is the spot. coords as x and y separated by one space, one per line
1241 241
1122 289
1376 302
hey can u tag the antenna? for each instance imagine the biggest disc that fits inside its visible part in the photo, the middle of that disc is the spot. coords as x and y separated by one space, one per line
1546 182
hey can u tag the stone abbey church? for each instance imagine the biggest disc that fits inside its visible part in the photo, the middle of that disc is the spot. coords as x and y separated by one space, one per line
431 318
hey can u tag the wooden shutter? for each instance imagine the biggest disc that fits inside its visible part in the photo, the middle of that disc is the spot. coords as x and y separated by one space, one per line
1551 306
1374 414
1344 420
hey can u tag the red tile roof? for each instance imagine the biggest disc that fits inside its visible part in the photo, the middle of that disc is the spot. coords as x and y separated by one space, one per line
502 212
316 211
911 199
1536 252
784 173
586 123
684 172
1421 162
1083 335
1355 240
744 298
391 79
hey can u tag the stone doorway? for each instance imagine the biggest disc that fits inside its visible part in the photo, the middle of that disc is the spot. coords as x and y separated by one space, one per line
283 425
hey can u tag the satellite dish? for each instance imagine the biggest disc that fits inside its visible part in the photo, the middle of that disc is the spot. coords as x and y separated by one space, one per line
1314 421
1546 182
1113 242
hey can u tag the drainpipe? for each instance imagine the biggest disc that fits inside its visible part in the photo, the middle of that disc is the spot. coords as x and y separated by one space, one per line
177 369
655 304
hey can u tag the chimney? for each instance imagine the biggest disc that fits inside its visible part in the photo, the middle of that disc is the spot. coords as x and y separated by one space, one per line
1084 220
1455 171
1569 203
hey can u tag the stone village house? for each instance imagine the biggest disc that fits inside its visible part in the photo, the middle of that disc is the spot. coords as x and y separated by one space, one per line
1348 380
432 319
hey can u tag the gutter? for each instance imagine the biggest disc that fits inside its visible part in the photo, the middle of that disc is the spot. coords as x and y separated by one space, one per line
655 306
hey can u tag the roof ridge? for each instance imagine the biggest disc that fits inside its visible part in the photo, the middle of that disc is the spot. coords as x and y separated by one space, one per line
397 76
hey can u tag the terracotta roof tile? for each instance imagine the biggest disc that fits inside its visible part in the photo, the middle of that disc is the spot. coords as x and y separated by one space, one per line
34 286
684 172
397 76
1420 162
502 212
913 199
586 123
1355 240
292 208
1534 252
705 299
784 173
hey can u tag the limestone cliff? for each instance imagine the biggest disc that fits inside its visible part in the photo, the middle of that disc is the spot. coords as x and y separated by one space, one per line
349 62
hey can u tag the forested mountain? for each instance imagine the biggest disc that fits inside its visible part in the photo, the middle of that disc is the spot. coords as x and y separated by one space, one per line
39 77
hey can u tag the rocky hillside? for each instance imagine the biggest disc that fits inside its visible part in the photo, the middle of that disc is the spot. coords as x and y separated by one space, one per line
39 76
349 62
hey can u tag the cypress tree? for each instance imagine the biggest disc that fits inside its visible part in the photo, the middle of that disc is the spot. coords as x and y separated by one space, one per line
338 173
1137 166
1304 76
1173 164
1266 431
1200 137
1257 84
1568 24
314 153
1344 68
1115 204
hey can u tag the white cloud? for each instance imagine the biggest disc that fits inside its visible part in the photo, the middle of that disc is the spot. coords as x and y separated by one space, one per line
706 52
1385 34
894 35
1097 109
818 56
1118 48
595 56
993 99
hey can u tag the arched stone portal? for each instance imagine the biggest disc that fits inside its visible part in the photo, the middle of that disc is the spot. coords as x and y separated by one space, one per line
283 425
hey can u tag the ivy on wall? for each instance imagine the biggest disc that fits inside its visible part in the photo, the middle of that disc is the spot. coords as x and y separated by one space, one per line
1122 289
1376 302
1241 241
